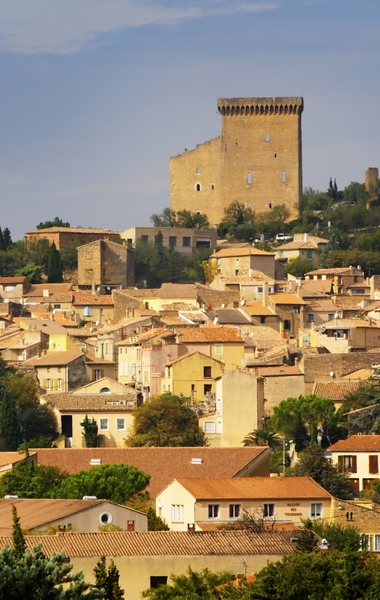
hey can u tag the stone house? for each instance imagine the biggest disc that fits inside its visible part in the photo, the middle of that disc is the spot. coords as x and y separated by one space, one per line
60 371
181 239
340 277
206 502
241 261
12 289
192 375
303 246
103 264
280 382
91 308
66 236
346 335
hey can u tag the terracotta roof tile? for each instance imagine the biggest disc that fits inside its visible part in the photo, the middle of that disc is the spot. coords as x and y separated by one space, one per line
72 230
335 271
335 390
55 358
163 464
245 251
284 298
209 333
358 443
279 371
82 299
12 280
10 458
258 309
37 289
254 488
65 402
163 543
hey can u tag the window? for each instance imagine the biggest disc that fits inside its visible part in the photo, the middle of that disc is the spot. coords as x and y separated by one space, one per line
365 542
9 288
373 464
177 513
157 581
286 325
234 511
268 510
267 137
347 464
206 372
120 350
316 510
219 426
283 177
172 241
103 424
213 511
98 374
56 306
212 186
376 543
198 171
125 350
207 388
60 387
249 177
120 424
145 238
236 272
105 518
310 317
48 386
309 254
87 311
198 187
186 241
330 316
260 289
262 320
270 205
209 426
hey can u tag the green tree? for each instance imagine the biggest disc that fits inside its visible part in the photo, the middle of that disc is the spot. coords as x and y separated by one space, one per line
307 541
10 431
56 222
340 538
54 274
193 586
6 239
299 266
117 483
155 523
313 463
31 271
19 544
262 437
166 219
108 580
165 421
34 576
90 432
29 480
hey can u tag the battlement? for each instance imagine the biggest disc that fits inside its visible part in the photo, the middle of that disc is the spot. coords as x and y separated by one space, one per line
260 106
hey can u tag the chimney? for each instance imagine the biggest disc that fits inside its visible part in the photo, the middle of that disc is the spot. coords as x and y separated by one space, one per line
190 528
130 525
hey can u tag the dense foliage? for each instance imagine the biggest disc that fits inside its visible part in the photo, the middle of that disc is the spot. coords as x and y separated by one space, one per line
107 579
165 421
29 480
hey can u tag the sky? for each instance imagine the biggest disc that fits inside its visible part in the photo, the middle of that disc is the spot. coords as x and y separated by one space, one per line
96 95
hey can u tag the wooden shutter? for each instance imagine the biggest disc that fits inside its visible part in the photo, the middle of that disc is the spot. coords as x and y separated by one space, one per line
354 466
373 463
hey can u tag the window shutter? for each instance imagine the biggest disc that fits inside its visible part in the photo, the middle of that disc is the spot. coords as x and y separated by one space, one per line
354 467
340 464
373 464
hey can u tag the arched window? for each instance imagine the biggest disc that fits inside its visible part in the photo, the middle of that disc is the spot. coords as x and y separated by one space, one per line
198 187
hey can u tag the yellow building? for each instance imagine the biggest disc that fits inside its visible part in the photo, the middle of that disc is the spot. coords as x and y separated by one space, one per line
93 308
239 409
60 371
192 376
213 502
107 401
242 261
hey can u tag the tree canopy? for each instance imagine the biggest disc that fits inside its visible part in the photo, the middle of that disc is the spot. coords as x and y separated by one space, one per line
117 483
182 218
165 421
56 222
29 480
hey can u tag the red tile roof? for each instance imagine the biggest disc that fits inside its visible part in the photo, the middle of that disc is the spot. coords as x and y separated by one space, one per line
81 298
336 390
163 543
163 464
55 359
254 488
357 443
209 333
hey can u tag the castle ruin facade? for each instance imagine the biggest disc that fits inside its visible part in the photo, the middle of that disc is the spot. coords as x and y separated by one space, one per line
257 160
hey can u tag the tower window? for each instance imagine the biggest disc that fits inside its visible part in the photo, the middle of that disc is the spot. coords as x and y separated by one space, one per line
283 176
249 177
275 154
267 137
270 205
198 171
198 187
212 186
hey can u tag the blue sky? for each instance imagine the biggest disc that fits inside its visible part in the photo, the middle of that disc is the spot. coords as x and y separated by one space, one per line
96 95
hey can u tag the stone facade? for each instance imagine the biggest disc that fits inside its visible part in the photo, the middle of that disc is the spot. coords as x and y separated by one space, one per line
66 236
105 263
317 366
371 183
257 160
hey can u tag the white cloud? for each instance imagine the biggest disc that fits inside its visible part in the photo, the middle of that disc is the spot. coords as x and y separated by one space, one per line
65 26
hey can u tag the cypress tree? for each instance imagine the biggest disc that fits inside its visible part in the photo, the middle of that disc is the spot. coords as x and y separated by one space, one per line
7 238
54 265
17 535
10 432
108 580
90 432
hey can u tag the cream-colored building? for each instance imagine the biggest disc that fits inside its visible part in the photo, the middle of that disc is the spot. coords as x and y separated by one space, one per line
59 371
303 246
257 160
148 559
105 400
346 335
213 502
89 515
340 277
239 409
242 261
192 375
358 457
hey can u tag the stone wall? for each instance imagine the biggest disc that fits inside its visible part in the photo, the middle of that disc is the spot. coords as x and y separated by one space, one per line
257 160
317 366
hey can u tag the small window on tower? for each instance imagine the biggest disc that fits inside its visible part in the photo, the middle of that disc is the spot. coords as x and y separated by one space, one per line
283 177
198 187
198 171
249 177
267 137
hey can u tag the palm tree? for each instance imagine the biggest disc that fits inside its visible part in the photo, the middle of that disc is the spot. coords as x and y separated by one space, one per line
262 437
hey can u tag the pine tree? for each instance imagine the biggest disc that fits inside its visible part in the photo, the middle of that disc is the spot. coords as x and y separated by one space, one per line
108 580
7 238
10 432
19 544
54 265
1 240
90 432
